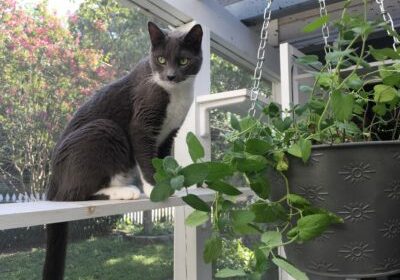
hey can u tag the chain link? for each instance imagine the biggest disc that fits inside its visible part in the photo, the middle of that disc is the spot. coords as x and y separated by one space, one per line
323 12
389 21
255 90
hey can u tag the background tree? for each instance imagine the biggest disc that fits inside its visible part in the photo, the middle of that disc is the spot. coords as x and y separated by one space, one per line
120 33
45 74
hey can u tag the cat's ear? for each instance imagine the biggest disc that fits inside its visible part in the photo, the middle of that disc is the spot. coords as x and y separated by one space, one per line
193 37
156 34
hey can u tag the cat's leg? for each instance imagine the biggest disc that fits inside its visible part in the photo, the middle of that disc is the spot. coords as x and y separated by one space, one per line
145 149
162 151
88 159
165 148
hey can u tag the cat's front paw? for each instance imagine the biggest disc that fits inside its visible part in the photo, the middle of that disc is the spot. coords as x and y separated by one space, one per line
120 193
147 189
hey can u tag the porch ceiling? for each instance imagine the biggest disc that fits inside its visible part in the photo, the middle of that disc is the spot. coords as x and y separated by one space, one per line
292 15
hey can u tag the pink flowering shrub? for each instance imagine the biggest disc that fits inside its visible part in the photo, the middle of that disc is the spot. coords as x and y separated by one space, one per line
45 75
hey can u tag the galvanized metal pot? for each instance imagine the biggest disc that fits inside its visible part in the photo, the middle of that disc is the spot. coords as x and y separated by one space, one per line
361 183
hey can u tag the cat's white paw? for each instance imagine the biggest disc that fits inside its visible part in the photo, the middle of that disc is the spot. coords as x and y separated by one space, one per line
147 188
120 193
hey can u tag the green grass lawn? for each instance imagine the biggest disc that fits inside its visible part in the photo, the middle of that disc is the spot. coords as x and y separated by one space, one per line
105 258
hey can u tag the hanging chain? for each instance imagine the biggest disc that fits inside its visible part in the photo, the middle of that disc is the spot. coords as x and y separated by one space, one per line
323 12
389 21
255 90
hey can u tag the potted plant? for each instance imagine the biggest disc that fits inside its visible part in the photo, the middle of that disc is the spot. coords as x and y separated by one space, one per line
323 172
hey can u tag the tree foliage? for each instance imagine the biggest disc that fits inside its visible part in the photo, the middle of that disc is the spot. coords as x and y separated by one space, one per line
45 75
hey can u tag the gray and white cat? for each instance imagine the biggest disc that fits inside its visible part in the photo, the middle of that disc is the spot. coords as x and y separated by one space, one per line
123 127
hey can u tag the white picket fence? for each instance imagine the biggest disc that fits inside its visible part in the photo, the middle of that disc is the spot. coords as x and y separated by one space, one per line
157 215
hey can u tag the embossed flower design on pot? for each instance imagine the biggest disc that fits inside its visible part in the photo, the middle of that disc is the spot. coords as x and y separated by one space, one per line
391 228
313 193
322 266
396 156
393 192
388 263
356 251
357 172
357 212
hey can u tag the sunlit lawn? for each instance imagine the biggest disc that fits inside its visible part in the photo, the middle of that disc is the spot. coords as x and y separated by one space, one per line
105 258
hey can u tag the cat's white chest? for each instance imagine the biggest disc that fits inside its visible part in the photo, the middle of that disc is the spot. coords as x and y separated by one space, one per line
181 98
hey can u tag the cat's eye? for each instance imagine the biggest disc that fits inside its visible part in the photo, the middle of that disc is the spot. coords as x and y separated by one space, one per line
161 60
183 61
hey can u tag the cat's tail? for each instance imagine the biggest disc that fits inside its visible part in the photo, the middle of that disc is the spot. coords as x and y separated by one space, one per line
57 237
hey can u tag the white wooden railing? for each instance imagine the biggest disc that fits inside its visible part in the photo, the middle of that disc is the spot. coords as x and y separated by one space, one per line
136 217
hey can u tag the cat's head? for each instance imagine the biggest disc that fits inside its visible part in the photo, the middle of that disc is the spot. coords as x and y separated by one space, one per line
175 56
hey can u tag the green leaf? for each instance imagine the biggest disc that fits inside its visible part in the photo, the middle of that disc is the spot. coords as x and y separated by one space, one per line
228 273
282 125
194 173
161 192
384 93
196 218
224 188
257 146
218 170
252 163
247 123
177 182
260 184
241 220
354 82
298 201
268 212
272 110
324 79
290 269
312 226
301 149
158 164
170 165
195 202
379 109
385 53
262 262
319 22
242 216
342 105
306 89
235 122
212 249
272 238
335 56
308 60
196 150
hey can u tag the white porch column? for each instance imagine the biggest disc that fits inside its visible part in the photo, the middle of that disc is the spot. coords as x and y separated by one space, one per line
188 241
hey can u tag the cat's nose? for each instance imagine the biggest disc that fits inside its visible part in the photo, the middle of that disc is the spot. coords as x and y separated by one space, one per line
171 77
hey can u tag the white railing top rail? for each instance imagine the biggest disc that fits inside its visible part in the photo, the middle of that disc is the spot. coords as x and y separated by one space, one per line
16 215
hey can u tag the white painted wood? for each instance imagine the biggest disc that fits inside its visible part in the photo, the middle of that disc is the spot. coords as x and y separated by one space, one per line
27 214
15 215
236 101
188 241
229 37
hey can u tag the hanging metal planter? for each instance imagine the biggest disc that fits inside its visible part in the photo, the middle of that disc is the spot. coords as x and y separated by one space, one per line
361 183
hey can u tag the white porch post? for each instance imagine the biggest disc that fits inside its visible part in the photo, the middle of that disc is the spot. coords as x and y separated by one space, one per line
188 241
